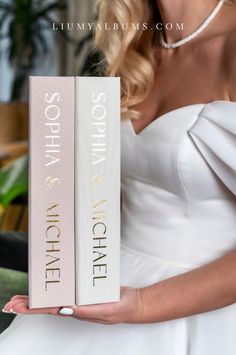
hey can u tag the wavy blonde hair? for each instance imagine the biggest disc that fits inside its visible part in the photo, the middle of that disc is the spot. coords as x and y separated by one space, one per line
129 53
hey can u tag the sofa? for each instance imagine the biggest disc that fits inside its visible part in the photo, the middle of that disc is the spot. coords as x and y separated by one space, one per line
13 270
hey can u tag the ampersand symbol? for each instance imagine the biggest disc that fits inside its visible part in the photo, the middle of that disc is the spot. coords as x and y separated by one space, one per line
51 182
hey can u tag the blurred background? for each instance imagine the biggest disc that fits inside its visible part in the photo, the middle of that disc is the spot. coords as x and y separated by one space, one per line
32 42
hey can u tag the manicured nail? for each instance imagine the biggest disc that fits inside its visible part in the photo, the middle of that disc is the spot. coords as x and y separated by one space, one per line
4 311
12 311
66 311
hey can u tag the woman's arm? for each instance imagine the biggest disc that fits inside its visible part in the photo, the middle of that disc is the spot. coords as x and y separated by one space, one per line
204 289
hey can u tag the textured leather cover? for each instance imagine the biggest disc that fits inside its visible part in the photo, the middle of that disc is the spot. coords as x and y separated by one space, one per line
51 198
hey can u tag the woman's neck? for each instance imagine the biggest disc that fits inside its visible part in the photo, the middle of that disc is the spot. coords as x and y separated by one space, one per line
191 13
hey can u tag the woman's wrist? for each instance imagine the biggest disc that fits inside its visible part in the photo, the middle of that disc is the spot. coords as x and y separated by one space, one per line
149 304
193 292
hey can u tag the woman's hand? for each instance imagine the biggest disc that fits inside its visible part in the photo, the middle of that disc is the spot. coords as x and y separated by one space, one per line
207 288
127 310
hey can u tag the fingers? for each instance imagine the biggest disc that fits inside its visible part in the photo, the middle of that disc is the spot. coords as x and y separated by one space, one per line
78 314
11 304
20 305
100 313
89 312
22 308
18 297
97 313
8 306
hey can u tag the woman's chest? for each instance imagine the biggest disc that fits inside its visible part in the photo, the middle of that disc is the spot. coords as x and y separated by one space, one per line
164 156
177 85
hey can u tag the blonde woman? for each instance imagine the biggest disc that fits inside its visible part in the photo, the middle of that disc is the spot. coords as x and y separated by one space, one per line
178 265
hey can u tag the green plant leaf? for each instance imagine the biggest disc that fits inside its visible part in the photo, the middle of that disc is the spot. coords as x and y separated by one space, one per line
27 24
13 180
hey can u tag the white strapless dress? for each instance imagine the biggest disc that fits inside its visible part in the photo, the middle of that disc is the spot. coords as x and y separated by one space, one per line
178 213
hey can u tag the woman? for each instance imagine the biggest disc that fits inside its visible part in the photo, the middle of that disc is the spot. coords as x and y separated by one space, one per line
178 266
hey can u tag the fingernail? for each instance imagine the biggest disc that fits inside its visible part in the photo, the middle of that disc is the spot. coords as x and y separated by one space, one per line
4 311
66 311
12 311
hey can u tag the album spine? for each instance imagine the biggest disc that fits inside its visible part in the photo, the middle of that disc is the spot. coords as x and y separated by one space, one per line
97 190
51 192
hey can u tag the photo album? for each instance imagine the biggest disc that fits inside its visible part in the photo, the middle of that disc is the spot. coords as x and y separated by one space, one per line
117 177
74 190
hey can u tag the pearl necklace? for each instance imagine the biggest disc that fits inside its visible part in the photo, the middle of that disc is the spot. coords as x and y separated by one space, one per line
195 33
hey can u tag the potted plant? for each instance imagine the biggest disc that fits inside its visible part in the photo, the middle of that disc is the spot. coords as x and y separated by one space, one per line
24 23
27 23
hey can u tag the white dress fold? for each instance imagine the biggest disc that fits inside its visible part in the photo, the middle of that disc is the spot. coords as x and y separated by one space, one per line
178 187
214 133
